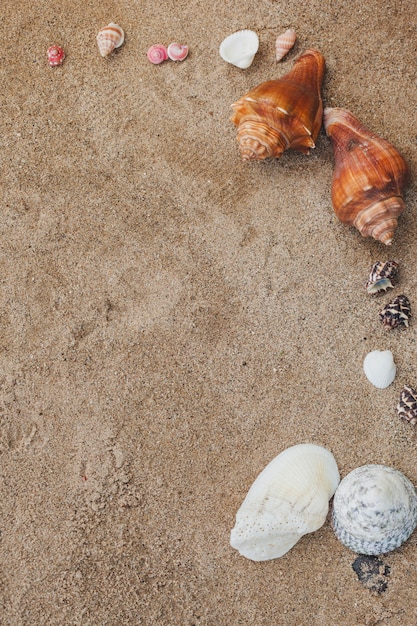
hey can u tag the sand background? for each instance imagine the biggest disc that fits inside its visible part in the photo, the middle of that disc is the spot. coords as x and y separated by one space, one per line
172 319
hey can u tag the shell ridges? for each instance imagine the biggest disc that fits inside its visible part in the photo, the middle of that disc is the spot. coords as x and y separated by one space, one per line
379 368
289 499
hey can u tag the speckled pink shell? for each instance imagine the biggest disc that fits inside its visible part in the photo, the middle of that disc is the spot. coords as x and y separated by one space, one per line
56 55
284 43
177 52
157 53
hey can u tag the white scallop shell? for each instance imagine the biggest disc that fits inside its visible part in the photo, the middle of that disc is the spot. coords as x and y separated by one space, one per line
240 48
374 509
289 499
379 368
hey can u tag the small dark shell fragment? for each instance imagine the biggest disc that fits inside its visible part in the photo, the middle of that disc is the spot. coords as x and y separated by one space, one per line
407 406
381 275
396 313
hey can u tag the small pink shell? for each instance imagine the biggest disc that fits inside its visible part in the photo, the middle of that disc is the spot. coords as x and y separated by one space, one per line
56 55
177 52
284 43
157 53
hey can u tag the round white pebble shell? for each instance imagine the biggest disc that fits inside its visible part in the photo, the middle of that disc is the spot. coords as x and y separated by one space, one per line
374 509
379 368
289 499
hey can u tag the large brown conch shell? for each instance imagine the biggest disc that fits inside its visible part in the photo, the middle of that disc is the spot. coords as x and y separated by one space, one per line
368 179
282 114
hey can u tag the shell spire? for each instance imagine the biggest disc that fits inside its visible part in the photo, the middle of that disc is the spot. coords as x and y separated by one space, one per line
282 114
368 178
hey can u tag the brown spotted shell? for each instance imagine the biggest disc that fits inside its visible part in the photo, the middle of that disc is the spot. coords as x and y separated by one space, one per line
368 179
396 313
282 114
407 406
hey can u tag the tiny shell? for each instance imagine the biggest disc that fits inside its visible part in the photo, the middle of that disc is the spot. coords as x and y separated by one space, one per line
109 38
396 313
157 53
284 43
177 52
381 275
240 48
374 509
289 499
407 406
56 56
379 368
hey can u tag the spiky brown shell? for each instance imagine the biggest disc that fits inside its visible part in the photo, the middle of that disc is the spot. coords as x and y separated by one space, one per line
396 313
381 275
407 406
281 114
368 179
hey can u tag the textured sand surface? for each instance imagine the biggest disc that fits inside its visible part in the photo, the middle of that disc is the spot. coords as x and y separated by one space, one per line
171 318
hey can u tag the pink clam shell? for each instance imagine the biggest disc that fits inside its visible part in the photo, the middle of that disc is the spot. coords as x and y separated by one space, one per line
177 52
157 53
56 55
284 43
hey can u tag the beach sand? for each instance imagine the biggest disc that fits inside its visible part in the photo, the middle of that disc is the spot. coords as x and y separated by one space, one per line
173 318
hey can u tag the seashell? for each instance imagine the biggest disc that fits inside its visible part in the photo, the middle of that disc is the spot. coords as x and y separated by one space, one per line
396 313
240 48
157 53
368 178
379 368
284 43
109 38
289 498
177 52
374 509
407 406
281 114
56 56
381 275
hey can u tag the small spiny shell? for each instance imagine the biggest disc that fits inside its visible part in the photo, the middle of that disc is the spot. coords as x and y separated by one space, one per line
56 56
284 43
374 509
157 53
368 179
396 313
379 368
177 52
240 48
282 114
407 406
289 499
109 37
381 275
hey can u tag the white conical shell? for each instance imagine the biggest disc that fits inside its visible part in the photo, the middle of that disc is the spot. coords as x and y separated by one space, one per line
240 48
289 499
379 368
374 509
110 37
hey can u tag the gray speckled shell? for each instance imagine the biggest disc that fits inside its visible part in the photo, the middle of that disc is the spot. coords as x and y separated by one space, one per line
374 509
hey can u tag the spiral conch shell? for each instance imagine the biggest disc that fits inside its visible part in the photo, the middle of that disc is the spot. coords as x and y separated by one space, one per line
110 37
374 509
289 499
368 179
282 114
